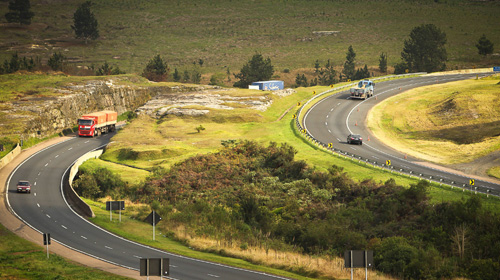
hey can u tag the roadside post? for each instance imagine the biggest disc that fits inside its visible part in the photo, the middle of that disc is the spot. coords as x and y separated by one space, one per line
115 205
357 258
153 218
154 267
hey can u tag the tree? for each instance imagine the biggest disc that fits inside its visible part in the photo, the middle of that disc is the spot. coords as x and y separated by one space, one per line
362 73
257 69
107 69
84 23
176 76
156 70
484 46
56 61
425 50
382 63
19 12
349 70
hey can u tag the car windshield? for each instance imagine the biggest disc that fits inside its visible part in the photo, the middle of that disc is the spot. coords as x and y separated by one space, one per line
23 183
355 136
84 122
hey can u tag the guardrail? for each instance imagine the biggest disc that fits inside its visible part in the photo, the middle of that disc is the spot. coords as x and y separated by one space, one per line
468 183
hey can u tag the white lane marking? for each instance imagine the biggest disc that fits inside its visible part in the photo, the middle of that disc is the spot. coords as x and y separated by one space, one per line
70 149
64 227
172 265
83 237
34 194
87 141
39 173
211 275
338 139
375 157
107 247
46 164
337 104
137 257
353 148
326 123
329 131
47 215
34 184
57 156
38 205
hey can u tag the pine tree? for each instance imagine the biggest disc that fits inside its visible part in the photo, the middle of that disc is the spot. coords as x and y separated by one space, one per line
425 51
176 76
85 24
257 69
19 12
156 70
56 61
349 66
382 63
484 46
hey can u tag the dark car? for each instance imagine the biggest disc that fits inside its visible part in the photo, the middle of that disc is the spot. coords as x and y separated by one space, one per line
354 139
24 186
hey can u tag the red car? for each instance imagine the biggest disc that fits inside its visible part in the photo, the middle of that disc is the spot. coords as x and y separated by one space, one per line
24 186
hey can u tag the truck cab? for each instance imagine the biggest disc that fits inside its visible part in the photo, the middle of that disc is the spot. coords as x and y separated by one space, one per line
363 90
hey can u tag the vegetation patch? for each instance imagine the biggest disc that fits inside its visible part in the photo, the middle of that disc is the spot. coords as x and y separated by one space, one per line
250 196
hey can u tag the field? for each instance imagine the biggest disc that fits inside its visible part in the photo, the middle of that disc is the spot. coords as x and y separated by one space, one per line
220 36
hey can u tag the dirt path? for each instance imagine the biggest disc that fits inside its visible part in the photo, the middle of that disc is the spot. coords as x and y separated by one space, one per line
11 222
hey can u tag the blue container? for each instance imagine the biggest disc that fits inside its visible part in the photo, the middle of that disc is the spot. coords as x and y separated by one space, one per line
269 85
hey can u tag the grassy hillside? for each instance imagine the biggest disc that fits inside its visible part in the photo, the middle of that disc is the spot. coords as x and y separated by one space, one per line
452 123
224 34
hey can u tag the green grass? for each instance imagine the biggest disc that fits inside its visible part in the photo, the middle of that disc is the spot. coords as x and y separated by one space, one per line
21 259
225 34
451 123
142 232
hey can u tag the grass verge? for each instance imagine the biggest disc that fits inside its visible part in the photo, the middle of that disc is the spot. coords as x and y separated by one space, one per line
21 259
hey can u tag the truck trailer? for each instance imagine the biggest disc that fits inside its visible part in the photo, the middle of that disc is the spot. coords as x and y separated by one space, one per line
94 124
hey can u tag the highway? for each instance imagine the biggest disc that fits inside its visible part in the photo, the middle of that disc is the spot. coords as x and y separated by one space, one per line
46 211
333 118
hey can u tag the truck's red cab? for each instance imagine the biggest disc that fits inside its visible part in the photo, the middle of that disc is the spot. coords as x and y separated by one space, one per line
86 126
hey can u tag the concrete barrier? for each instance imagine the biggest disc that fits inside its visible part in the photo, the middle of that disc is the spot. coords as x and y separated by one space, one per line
10 156
72 197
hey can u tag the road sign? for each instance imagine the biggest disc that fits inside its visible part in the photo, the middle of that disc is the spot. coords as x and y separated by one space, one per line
154 267
46 239
472 182
149 218
357 258
388 162
115 205
330 145
496 68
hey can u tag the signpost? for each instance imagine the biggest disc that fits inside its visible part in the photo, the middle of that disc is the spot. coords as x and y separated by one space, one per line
115 205
496 68
46 241
353 259
154 267
153 219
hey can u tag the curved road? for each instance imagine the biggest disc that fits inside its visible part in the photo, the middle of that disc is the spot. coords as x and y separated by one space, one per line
46 211
333 118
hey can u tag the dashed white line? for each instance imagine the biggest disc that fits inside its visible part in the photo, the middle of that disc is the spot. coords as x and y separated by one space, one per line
64 227
57 156
211 275
34 194
70 149
47 215
326 123
46 164
83 237
38 205
39 173
34 184
107 247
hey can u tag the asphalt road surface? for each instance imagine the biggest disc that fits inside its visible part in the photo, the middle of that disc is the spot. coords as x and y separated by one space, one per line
333 118
45 210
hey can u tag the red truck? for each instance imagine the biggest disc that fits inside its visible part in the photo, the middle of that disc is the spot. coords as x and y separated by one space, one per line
94 124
